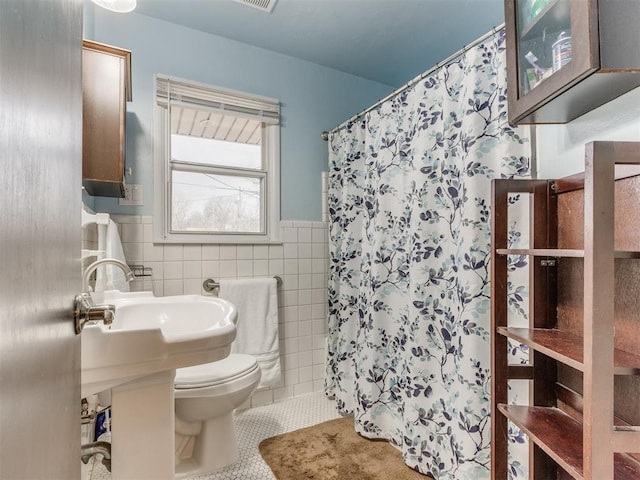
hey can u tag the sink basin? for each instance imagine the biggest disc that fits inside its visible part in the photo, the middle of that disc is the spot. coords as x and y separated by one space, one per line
153 334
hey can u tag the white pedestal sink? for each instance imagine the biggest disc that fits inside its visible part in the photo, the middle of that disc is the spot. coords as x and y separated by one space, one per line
137 356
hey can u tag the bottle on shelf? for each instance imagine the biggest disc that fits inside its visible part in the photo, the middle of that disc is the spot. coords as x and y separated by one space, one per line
561 51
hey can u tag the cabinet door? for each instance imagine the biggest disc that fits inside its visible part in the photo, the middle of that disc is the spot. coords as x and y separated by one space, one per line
104 110
551 46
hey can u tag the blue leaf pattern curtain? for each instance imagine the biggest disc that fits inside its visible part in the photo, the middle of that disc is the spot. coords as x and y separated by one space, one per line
409 200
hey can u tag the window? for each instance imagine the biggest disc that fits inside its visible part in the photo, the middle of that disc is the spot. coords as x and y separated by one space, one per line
217 159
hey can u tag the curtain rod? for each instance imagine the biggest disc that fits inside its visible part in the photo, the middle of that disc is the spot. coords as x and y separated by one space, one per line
411 83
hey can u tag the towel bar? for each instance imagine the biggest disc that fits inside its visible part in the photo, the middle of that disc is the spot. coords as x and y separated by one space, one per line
210 284
141 271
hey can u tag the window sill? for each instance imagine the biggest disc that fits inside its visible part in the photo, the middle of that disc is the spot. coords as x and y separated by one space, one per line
217 239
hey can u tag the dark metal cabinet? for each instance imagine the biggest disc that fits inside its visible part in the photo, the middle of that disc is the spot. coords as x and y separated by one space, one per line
106 88
567 57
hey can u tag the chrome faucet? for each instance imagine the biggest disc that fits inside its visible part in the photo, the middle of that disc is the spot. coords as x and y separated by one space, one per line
128 274
84 309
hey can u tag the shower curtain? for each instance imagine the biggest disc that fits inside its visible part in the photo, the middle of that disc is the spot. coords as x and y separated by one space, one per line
410 207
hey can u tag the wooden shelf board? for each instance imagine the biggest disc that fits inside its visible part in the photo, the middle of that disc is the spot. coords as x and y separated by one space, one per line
576 182
553 343
568 348
519 372
542 252
626 254
560 252
560 436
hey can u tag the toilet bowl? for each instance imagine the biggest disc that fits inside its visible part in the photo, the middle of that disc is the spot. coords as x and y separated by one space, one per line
205 398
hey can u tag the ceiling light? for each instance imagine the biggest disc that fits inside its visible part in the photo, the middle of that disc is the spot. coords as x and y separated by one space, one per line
119 6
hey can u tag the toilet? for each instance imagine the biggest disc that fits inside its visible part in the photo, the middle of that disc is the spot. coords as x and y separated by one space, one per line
205 398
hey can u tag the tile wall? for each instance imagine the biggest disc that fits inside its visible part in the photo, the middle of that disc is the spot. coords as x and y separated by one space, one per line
301 261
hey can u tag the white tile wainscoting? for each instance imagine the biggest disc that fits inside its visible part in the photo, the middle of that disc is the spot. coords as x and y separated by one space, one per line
302 263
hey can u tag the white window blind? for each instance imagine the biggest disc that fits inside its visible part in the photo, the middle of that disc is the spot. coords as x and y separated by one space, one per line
204 97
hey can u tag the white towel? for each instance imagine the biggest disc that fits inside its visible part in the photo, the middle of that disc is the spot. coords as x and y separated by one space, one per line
257 330
110 277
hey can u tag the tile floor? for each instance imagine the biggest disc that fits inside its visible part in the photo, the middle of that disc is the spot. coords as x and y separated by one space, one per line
254 425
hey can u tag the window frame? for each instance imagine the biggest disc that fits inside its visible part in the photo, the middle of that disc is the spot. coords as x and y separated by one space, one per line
270 172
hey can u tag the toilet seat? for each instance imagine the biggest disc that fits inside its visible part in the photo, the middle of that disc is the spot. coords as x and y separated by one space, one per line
223 371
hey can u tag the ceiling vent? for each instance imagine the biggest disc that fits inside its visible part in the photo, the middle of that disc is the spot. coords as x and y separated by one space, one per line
264 5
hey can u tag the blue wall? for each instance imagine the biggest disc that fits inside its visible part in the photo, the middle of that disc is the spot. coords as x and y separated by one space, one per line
313 98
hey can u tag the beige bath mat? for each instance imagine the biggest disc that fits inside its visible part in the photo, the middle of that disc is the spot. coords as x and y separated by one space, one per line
334 451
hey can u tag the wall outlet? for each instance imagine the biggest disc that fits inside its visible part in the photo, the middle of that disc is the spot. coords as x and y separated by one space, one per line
132 195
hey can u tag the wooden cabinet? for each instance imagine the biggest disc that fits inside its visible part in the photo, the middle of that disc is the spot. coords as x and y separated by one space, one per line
584 322
567 57
106 88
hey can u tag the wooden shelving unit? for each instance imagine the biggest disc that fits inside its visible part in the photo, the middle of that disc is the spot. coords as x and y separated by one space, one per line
588 434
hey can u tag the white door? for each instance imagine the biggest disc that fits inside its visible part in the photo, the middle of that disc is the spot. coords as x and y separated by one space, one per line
40 237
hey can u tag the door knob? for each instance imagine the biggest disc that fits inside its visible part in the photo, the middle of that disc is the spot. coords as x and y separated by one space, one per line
85 311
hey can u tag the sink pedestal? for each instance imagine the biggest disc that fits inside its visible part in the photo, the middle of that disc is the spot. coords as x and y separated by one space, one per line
142 431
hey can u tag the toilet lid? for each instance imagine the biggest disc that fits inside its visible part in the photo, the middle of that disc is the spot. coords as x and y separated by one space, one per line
209 374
